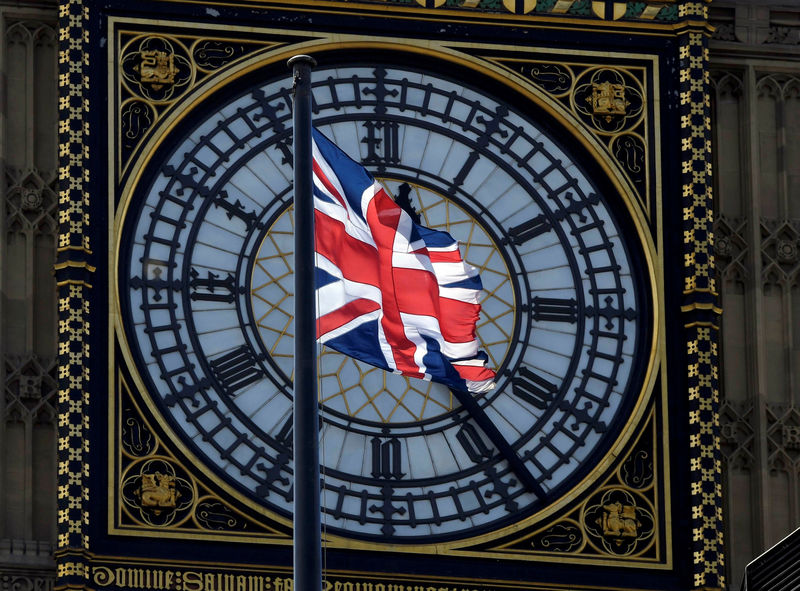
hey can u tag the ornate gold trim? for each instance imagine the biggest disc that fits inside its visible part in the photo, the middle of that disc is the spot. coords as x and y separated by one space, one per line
174 500
700 296
72 275
457 53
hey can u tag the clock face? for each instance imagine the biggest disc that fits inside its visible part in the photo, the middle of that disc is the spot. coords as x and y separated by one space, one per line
206 300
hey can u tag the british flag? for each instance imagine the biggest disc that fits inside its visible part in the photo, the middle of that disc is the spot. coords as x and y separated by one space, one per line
390 292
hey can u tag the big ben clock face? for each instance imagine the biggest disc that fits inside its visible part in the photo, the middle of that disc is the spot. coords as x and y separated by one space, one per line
206 303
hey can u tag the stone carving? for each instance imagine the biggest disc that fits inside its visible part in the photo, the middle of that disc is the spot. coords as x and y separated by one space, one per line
737 435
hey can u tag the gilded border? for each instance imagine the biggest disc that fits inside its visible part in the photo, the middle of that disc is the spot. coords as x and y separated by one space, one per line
461 53
649 13
700 309
73 276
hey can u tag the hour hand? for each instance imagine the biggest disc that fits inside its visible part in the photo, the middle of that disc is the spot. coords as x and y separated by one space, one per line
497 438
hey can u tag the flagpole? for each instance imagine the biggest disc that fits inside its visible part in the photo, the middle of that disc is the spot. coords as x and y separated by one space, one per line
307 538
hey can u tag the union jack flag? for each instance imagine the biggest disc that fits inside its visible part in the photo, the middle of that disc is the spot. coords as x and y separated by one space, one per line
390 292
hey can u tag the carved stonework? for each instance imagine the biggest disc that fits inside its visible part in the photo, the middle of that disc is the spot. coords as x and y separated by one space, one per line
731 248
737 434
779 251
783 440
31 201
30 389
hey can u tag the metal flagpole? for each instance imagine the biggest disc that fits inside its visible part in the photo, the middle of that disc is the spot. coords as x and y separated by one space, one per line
307 538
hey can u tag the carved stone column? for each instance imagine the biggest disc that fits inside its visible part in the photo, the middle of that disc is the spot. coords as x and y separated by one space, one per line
28 218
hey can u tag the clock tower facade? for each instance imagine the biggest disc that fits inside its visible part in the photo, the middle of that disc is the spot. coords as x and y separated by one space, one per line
552 139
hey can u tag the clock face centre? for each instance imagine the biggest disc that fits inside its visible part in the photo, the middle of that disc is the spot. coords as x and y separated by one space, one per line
351 388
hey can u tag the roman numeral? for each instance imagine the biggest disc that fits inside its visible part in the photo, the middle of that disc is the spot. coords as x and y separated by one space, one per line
383 143
236 210
156 283
212 288
610 312
587 415
528 230
386 458
473 445
236 369
286 433
492 127
187 392
574 206
555 309
533 389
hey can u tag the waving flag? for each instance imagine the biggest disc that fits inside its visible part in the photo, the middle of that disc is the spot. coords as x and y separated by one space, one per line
391 293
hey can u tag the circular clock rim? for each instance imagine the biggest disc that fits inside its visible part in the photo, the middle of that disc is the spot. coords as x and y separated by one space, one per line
525 90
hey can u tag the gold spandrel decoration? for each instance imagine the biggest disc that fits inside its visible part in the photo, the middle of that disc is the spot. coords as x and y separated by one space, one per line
617 521
609 102
155 71
157 491
157 68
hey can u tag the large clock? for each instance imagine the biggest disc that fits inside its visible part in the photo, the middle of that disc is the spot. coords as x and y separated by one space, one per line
204 284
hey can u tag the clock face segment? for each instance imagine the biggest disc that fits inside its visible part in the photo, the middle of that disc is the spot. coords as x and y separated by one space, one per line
206 291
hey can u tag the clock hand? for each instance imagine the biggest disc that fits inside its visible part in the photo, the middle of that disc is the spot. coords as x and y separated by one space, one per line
497 438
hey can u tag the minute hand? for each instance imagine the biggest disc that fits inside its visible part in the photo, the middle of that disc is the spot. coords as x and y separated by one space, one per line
494 435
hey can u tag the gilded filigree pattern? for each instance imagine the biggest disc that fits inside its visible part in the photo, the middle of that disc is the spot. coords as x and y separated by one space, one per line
212 54
608 99
563 537
156 71
700 301
157 490
157 493
611 103
617 520
73 275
